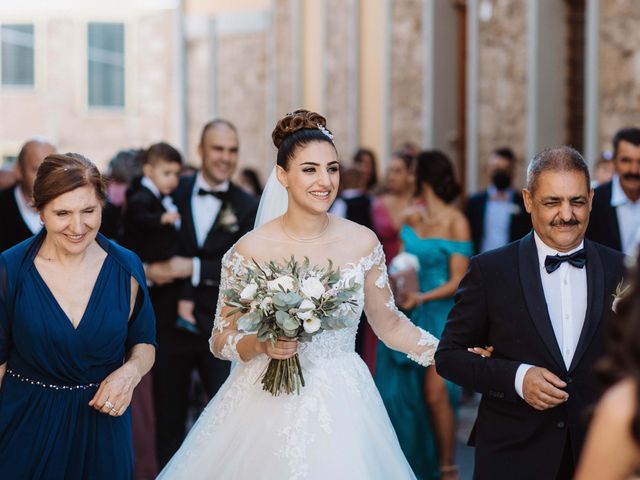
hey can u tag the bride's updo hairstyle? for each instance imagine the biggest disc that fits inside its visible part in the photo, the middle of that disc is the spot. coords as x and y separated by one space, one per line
296 130
434 168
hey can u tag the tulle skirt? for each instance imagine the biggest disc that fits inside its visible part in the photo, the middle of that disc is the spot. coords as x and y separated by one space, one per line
337 428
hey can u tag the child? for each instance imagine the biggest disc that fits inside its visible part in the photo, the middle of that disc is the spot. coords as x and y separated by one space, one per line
151 229
152 221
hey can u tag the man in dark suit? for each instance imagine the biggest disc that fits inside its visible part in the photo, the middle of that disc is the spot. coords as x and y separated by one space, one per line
615 218
19 219
541 302
497 215
215 213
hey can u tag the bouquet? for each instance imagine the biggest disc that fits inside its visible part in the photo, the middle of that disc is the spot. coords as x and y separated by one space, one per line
289 300
403 274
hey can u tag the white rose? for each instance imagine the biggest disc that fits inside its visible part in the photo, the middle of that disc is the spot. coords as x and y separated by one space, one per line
311 325
286 282
311 287
249 292
306 305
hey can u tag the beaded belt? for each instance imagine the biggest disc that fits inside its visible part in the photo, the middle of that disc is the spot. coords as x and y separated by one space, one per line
24 379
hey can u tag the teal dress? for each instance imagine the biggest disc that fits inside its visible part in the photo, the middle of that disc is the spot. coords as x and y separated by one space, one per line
401 381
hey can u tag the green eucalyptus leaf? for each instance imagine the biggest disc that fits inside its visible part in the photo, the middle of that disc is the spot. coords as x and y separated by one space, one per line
250 321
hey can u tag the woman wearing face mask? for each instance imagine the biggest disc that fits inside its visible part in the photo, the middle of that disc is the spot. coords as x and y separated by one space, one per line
337 426
77 334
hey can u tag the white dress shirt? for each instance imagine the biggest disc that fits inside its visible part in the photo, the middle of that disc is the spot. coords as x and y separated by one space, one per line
205 209
628 213
497 219
565 292
30 216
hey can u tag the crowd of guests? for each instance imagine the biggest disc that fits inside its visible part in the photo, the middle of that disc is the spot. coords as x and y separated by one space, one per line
180 222
416 209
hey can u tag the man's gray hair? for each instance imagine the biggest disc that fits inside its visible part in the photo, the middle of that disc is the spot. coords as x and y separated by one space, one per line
556 159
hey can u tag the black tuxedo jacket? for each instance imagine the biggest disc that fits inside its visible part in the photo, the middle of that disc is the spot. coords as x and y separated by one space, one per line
501 302
143 232
359 210
218 241
13 228
603 221
519 226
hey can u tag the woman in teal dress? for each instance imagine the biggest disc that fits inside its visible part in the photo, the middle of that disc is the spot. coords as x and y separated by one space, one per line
420 403
77 333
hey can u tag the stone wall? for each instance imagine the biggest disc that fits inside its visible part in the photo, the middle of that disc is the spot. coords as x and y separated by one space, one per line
57 107
243 88
199 84
619 67
341 74
502 96
286 76
406 72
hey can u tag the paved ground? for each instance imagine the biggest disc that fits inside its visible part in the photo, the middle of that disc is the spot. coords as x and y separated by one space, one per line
464 454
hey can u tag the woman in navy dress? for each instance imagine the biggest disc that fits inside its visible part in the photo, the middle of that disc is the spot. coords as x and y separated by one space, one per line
77 333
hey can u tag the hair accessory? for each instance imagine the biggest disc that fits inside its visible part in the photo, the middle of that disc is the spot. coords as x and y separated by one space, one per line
326 132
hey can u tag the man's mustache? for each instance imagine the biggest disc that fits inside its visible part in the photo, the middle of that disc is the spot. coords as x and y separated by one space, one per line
631 176
563 223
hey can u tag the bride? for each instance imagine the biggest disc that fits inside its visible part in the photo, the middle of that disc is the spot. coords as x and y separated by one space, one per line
337 427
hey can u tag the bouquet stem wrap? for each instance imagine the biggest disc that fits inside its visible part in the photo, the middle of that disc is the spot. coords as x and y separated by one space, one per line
283 376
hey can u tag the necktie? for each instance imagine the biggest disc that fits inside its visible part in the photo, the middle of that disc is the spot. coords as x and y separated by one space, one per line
219 195
577 259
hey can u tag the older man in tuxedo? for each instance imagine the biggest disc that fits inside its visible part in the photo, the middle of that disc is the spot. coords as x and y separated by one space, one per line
615 219
215 213
19 219
542 303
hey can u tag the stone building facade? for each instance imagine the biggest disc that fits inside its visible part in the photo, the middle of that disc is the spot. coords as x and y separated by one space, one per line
465 76
56 105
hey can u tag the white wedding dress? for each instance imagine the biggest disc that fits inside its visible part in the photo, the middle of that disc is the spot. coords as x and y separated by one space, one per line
337 428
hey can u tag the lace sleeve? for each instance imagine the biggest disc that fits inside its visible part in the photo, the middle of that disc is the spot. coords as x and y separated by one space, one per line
224 336
389 323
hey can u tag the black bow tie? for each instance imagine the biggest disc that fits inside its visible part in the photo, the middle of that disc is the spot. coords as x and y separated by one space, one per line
577 259
218 195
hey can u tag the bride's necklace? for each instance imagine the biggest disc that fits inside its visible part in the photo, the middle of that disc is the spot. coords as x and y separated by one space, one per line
307 239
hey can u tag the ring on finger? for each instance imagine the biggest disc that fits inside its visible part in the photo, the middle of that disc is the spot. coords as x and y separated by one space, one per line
109 405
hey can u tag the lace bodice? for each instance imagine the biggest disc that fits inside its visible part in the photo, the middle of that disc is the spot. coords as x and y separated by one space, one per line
374 296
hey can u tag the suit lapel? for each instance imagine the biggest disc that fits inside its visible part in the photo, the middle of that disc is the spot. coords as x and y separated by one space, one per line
483 210
614 227
595 299
529 269
215 232
187 216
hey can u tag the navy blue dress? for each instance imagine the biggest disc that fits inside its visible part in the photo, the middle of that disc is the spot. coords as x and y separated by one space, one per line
47 428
